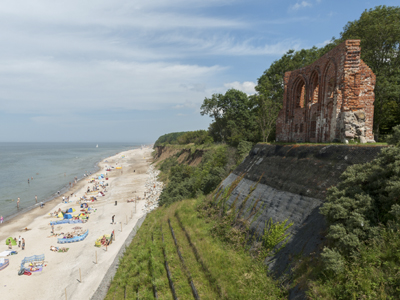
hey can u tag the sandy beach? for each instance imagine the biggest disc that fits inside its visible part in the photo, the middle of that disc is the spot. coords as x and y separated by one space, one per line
63 270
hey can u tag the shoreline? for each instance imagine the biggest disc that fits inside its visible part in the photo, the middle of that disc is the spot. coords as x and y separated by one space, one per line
64 190
62 273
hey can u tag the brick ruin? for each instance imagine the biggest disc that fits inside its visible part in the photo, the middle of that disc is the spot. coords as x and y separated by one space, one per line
330 100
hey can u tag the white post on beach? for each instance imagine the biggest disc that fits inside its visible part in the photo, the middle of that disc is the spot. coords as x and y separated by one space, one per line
80 276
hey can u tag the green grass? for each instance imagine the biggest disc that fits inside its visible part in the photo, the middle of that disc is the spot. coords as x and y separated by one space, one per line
326 144
218 271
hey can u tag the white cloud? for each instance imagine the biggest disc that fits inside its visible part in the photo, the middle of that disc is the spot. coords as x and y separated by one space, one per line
247 86
324 43
300 5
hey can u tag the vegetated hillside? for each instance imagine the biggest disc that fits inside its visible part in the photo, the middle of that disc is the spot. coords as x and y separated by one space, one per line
175 255
190 170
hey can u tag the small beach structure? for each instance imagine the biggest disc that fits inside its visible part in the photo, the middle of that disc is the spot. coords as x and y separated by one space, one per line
70 210
35 264
67 216
4 263
74 239
66 221
13 242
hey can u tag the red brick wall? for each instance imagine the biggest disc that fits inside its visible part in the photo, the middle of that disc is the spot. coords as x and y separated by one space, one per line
338 98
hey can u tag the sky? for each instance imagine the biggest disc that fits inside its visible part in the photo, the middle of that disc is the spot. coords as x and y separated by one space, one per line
130 71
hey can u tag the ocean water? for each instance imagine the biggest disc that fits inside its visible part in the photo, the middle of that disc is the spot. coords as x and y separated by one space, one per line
52 166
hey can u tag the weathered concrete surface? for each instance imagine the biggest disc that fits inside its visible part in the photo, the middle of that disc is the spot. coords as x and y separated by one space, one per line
290 182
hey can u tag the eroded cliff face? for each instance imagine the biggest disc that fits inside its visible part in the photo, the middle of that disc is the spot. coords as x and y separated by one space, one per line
290 182
186 156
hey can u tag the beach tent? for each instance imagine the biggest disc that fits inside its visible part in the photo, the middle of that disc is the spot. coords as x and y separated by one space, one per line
13 242
70 210
60 215
67 216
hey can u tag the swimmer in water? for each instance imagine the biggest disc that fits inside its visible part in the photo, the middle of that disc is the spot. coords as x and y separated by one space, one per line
28 180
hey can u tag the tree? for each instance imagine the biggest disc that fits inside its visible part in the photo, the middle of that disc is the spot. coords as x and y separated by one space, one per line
379 32
267 112
234 117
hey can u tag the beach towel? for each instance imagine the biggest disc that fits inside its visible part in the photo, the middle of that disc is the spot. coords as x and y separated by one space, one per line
5 253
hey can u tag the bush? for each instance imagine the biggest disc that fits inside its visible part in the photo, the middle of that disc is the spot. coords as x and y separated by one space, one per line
366 197
186 181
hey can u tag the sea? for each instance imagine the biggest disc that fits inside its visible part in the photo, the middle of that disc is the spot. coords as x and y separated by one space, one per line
51 165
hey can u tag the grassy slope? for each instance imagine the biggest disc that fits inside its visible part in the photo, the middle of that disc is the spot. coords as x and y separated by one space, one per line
218 272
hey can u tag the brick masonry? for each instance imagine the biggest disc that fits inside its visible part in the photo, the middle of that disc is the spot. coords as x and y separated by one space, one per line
329 100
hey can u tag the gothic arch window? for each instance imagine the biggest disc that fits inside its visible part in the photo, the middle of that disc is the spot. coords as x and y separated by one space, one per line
299 93
329 80
314 87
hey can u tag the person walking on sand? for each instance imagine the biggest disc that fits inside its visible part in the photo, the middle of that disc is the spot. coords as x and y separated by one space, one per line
23 244
18 203
112 219
19 241
1 219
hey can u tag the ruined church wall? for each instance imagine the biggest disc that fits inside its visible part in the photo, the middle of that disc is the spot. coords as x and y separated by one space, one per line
331 99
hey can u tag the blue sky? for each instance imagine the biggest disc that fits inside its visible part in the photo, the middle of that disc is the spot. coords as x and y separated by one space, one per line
131 71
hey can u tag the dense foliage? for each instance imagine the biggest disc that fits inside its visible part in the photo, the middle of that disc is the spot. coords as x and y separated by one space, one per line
169 138
198 137
367 196
186 181
233 115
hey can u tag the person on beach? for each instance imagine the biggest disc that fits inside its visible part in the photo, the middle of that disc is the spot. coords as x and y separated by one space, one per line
18 203
36 198
31 178
1 219
9 245
112 219
52 228
23 244
19 241
28 180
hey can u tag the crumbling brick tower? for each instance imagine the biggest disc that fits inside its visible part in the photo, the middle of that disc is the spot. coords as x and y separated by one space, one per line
329 100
